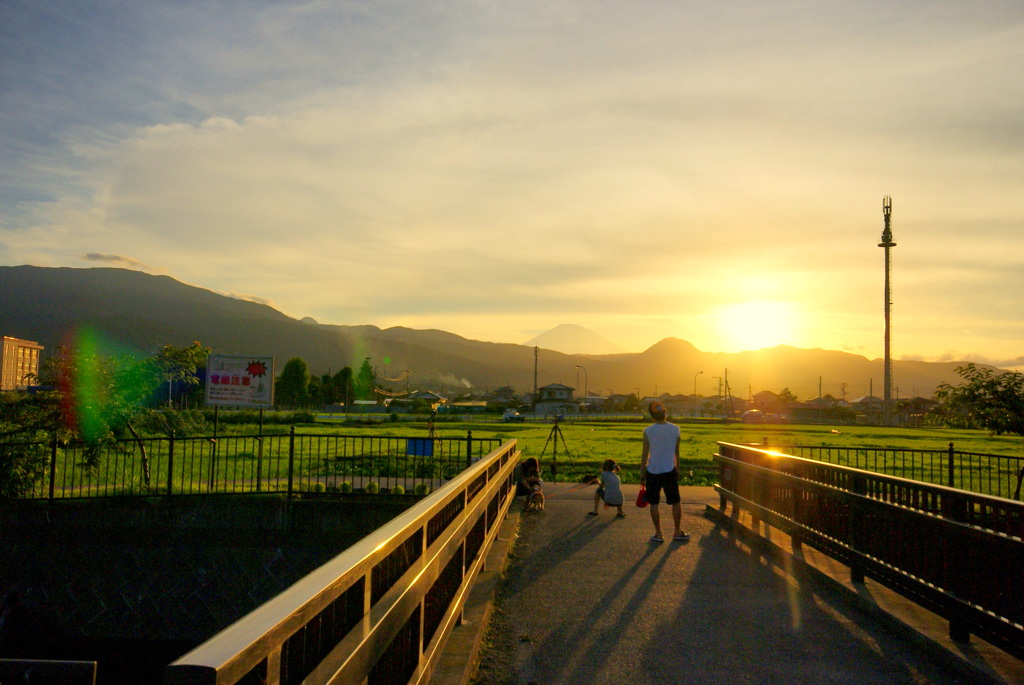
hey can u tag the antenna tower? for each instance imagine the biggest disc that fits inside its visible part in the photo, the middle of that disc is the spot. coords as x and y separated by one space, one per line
887 243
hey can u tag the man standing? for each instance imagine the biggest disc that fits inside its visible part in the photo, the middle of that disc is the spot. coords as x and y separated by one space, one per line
659 470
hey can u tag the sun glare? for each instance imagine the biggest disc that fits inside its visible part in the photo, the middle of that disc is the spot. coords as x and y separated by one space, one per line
754 325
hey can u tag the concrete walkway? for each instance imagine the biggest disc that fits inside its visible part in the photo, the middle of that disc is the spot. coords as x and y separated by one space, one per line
589 599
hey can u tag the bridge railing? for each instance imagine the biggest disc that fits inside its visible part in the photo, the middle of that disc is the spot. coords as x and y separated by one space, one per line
987 474
957 553
286 464
381 611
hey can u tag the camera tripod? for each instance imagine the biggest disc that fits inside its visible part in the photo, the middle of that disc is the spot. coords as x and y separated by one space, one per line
553 438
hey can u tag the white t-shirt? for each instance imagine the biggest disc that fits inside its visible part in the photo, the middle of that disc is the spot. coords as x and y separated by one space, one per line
612 488
662 439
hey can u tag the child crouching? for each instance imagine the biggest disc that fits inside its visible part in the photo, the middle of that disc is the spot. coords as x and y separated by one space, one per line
610 489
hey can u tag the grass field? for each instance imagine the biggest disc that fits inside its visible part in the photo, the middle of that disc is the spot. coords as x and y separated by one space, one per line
325 454
583 445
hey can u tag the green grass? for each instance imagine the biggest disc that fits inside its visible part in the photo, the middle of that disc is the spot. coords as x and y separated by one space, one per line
583 446
577 450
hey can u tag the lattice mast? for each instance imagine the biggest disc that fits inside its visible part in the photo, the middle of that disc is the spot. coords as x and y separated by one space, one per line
887 243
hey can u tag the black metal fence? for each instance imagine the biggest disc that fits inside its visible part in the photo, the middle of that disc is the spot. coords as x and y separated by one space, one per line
958 553
987 474
289 463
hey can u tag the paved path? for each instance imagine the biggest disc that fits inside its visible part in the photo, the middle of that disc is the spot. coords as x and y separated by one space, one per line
591 600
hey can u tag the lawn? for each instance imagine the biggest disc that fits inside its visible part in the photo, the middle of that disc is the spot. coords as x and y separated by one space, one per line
579 448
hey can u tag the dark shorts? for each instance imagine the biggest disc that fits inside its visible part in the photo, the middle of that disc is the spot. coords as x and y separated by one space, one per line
669 482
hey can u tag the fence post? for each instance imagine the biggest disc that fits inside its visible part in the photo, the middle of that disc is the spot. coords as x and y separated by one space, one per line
856 514
950 469
170 464
291 460
469 448
53 465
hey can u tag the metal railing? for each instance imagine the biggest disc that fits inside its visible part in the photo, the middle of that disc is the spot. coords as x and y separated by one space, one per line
987 474
382 610
959 554
289 463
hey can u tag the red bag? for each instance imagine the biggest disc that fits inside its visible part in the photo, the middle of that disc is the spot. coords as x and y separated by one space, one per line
641 497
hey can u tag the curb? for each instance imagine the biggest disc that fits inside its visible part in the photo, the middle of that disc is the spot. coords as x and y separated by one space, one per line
458 661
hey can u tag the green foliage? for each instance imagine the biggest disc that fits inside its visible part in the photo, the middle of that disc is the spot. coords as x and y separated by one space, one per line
346 486
366 382
421 489
179 366
178 423
990 399
398 490
22 466
373 487
292 389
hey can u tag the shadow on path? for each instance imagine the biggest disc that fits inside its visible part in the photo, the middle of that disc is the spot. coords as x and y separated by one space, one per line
592 600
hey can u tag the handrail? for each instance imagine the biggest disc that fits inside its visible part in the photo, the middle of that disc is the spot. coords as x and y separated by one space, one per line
957 553
381 610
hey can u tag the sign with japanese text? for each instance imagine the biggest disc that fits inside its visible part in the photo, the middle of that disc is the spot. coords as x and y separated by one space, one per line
233 380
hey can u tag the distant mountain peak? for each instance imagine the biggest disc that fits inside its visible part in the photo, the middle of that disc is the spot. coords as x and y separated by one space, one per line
569 338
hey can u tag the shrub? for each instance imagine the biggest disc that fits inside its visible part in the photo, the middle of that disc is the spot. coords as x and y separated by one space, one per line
398 490
373 487
421 489
346 486
319 487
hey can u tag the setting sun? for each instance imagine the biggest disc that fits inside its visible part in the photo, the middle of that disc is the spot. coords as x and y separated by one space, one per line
754 325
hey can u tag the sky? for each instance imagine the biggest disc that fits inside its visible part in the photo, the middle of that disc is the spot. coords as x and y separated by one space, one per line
712 172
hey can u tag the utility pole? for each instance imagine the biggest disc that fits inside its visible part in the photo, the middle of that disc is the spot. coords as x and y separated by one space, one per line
887 244
536 353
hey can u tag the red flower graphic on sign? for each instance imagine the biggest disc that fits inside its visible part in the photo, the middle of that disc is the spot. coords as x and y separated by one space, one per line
256 369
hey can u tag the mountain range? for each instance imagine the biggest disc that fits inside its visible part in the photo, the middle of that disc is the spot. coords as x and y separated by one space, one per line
132 310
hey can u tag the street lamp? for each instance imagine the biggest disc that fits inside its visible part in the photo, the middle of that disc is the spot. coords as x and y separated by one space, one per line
585 393
695 392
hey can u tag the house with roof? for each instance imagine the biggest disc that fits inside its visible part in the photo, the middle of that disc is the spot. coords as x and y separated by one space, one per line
555 399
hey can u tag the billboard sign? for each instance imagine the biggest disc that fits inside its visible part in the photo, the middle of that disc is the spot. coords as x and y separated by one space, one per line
234 380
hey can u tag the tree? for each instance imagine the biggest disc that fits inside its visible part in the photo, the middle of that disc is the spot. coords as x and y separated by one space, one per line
179 366
786 397
343 386
293 384
315 391
366 382
97 399
988 398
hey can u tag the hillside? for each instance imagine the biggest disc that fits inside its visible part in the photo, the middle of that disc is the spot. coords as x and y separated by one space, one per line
136 311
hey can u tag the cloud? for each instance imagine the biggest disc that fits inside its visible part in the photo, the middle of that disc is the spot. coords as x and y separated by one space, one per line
115 259
488 170
248 297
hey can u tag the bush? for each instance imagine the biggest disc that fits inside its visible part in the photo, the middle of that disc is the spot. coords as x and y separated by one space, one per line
398 490
22 467
373 487
319 487
346 486
421 489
